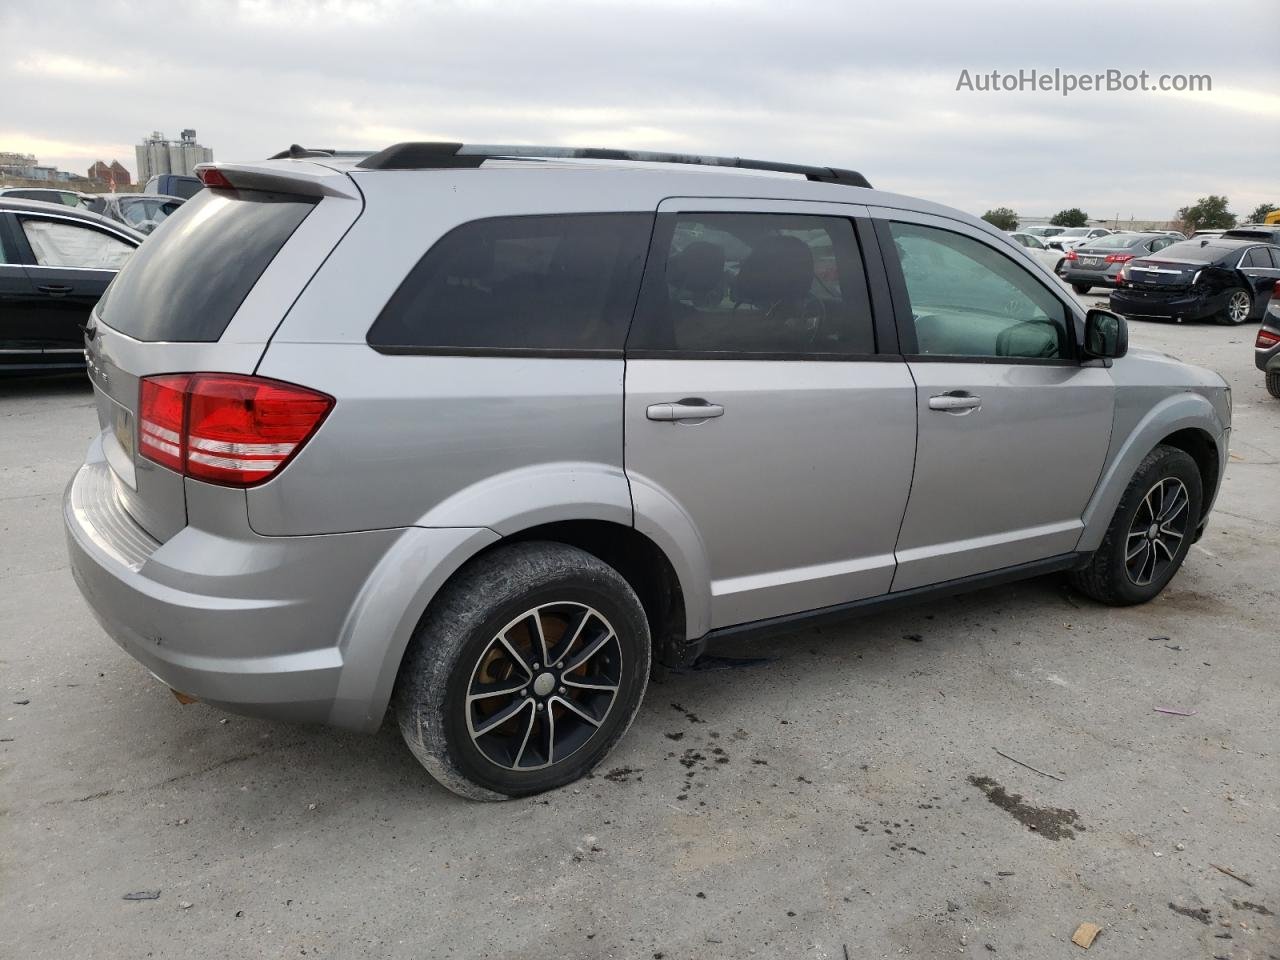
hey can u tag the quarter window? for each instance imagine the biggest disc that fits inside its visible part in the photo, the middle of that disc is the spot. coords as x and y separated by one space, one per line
725 285
59 244
967 300
521 283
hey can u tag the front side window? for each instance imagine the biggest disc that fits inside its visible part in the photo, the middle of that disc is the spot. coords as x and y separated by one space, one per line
57 243
563 282
743 284
967 300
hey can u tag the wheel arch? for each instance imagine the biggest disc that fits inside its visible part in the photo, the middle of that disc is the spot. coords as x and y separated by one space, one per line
1185 420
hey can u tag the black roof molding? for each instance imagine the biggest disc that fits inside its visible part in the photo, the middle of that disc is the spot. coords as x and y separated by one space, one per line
297 152
436 155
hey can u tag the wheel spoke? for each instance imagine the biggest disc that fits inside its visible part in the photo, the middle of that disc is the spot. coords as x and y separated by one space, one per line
1163 546
533 718
590 683
516 655
1144 545
1177 503
486 691
549 721
578 710
1150 559
571 634
495 720
590 651
538 637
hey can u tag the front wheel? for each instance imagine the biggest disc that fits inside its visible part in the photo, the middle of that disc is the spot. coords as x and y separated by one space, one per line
1081 288
1236 310
1149 535
527 669
1273 383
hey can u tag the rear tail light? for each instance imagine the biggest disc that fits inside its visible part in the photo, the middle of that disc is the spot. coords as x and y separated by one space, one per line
1071 255
1266 339
226 428
213 177
1119 257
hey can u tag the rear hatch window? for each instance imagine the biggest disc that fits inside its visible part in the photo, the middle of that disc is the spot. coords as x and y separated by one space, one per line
187 281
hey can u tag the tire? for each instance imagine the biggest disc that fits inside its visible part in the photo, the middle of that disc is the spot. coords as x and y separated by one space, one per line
457 648
1108 578
1273 383
1237 308
1081 288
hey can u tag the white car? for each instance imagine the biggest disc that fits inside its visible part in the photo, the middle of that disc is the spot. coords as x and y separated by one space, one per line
1036 247
1072 236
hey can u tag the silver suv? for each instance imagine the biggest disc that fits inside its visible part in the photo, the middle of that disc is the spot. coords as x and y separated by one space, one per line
484 434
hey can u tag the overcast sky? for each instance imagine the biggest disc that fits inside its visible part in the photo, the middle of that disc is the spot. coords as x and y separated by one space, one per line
866 86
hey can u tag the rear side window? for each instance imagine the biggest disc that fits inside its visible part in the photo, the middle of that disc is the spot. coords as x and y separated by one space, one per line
187 281
1257 257
738 285
566 283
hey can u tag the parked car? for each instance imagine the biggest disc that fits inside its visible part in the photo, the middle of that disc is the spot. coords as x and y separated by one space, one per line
1267 346
1227 280
67 198
173 185
55 262
143 212
1267 232
1206 234
382 460
1072 236
1042 232
1036 248
1098 262
1177 235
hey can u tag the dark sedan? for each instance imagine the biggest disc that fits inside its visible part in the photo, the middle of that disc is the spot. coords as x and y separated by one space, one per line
1098 262
55 262
1266 349
1230 281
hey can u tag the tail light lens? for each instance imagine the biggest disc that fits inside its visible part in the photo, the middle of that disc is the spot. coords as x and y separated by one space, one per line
1071 255
1266 339
226 428
1119 257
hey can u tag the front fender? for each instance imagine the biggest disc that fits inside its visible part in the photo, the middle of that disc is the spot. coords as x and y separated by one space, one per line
1181 411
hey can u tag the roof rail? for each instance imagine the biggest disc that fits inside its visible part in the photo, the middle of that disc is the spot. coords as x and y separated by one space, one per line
296 152
435 155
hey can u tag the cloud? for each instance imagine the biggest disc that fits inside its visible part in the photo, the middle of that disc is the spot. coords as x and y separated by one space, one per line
852 85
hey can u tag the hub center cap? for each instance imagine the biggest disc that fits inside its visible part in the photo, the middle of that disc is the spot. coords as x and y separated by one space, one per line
544 684
1153 531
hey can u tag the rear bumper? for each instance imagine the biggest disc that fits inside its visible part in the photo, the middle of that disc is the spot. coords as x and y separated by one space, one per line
266 626
1183 305
1095 278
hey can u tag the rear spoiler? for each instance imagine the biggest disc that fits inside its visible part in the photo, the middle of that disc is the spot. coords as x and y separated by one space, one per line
303 179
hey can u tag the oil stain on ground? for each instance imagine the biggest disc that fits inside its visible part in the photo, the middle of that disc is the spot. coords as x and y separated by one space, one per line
1052 823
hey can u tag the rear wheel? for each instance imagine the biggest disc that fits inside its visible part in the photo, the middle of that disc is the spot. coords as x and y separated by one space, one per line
1081 288
526 671
1236 310
1273 383
1149 535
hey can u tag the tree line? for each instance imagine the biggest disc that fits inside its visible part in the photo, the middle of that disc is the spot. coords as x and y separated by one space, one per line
1207 213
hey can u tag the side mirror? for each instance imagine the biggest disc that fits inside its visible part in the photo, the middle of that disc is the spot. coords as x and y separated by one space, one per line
1106 336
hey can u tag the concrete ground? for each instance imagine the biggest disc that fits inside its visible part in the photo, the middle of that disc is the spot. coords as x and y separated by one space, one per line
845 799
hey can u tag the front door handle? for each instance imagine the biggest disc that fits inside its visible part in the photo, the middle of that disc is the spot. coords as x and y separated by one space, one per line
55 289
957 401
690 408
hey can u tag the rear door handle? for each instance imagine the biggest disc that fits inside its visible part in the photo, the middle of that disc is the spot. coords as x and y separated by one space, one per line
957 402
690 408
54 289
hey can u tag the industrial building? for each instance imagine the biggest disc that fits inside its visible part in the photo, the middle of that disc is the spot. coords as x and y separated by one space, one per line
156 155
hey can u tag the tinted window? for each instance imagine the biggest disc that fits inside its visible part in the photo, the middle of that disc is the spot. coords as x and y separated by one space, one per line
746 283
1275 256
522 283
1116 241
57 243
1257 257
188 280
967 300
1197 251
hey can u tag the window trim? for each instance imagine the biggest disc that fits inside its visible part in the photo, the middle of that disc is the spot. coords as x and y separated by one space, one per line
878 300
902 300
563 353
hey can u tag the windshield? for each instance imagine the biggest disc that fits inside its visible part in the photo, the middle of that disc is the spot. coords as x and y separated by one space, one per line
1075 232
